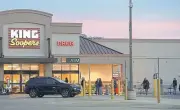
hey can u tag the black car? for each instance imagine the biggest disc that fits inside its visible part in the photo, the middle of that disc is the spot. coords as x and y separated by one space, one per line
40 86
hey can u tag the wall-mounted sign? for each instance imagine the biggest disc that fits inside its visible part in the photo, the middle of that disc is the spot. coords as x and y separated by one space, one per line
70 60
65 43
116 74
24 38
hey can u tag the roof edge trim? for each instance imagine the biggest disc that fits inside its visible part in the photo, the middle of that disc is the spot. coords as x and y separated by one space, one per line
26 11
66 24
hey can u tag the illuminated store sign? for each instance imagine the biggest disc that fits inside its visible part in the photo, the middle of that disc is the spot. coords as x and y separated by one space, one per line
65 43
24 38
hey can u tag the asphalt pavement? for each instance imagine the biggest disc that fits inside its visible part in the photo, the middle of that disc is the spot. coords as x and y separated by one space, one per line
23 102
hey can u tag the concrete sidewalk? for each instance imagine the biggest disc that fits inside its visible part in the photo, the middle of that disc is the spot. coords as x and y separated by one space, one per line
20 102
149 100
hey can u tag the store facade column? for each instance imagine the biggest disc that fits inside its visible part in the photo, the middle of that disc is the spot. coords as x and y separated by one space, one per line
1 74
48 70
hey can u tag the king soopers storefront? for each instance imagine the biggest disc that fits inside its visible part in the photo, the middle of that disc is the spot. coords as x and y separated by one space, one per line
32 45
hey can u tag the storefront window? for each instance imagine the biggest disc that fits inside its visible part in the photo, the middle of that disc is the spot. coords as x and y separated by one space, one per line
74 67
33 75
7 66
65 67
26 66
7 77
25 78
16 88
16 67
16 78
57 75
74 78
57 67
34 67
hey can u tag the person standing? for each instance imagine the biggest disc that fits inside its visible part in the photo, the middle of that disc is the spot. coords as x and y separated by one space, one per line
100 86
83 81
174 85
97 87
115 87
145 85
66 80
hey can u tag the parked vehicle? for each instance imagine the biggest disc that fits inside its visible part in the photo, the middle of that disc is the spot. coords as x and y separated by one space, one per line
40 86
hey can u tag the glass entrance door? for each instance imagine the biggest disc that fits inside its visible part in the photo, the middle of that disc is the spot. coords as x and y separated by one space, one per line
72 77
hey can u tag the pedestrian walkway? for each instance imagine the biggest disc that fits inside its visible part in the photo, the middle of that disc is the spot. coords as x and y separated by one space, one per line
142 100
18 102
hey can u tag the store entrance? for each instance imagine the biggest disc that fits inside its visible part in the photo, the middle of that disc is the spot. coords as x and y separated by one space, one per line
18 75
73 77
69 71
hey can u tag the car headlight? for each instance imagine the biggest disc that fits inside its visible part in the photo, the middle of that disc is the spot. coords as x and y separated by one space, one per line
75 88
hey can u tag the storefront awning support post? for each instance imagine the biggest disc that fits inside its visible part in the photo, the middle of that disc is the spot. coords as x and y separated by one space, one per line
1 52
89 70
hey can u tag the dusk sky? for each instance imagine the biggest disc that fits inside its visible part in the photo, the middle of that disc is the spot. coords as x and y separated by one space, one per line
158 19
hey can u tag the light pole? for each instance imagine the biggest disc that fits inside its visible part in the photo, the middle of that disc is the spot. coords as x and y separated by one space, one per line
131 95
130 47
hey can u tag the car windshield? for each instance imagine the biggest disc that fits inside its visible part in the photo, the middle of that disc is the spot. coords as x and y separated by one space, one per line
61 81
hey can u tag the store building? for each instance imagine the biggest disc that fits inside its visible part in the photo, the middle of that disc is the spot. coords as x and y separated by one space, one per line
145 57
32 45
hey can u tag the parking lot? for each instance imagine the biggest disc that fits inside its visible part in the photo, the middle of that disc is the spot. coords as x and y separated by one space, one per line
23 102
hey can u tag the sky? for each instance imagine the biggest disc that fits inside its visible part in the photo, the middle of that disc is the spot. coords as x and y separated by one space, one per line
152 19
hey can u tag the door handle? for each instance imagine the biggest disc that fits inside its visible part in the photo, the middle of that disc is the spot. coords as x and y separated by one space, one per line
54 87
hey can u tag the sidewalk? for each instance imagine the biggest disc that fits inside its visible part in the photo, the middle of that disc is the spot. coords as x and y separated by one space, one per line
141 100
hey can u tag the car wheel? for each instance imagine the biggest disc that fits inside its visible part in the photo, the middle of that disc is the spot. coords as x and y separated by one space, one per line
40 95
33 93
65 93
72 95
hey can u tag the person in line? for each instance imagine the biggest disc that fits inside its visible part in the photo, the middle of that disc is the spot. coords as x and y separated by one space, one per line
174 84
97 86
115 87
66 80
82 81
145 85
100 86
82 84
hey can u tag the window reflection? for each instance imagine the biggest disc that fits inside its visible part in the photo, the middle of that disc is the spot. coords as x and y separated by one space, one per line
16 78
25 78
74 67
65 67
7 66
57 67
7 77
57 75
33 75
26 66
16 67
34 67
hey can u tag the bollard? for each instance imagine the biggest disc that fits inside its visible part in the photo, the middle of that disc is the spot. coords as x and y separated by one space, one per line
112 89
158 91
84 88
89 88
126 91
155 88
119 87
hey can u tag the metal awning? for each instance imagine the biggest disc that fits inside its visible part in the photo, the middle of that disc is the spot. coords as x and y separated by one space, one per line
27 60
89 47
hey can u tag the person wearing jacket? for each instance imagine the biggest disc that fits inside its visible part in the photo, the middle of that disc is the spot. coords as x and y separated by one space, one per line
145 85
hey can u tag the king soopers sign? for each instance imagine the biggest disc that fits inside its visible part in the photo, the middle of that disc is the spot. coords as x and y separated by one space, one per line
25 38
